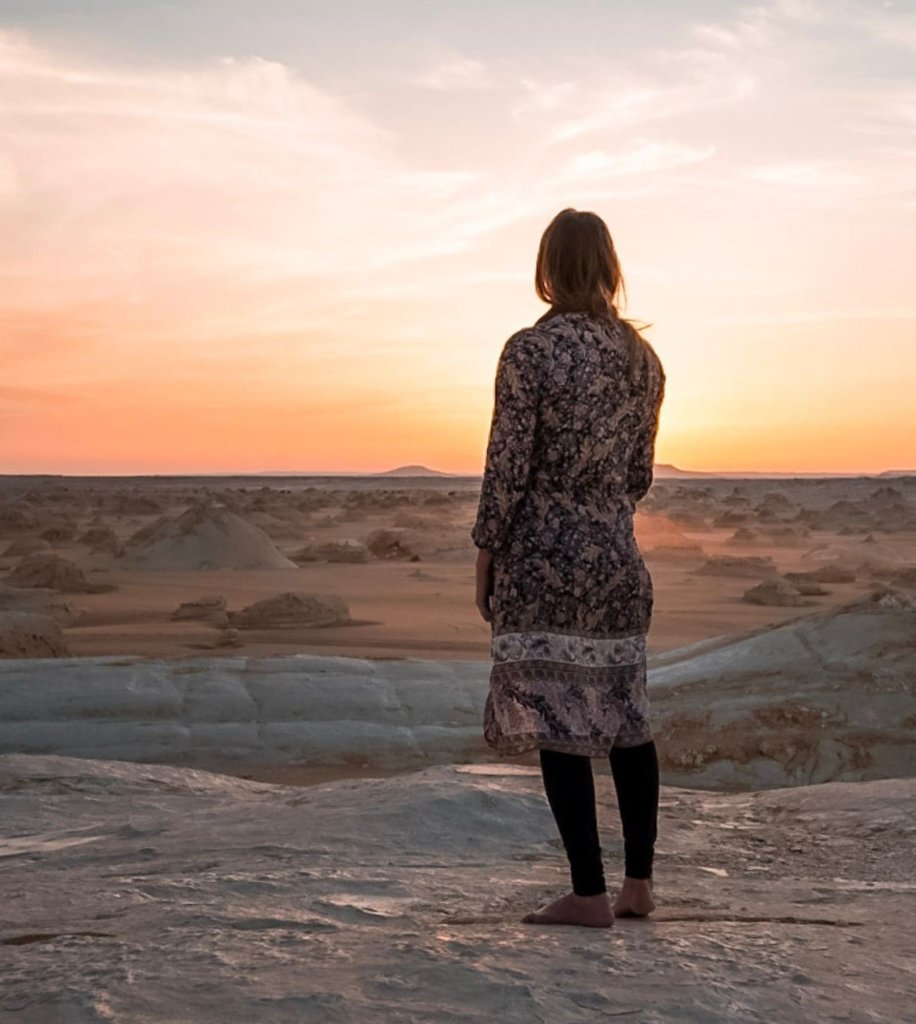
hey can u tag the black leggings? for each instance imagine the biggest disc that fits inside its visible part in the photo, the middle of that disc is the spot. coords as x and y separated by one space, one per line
570 788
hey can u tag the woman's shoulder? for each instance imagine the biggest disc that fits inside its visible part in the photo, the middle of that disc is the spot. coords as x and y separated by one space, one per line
541 338
528 344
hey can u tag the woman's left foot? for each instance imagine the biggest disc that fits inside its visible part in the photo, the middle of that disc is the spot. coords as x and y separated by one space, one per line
635 898
590 911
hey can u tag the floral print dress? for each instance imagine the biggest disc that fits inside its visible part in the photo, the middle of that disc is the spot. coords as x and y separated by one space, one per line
570 453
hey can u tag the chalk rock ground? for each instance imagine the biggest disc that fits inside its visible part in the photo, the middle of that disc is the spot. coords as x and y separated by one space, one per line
829 697
139 893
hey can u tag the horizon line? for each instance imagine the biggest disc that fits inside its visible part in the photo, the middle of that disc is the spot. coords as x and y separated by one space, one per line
427 473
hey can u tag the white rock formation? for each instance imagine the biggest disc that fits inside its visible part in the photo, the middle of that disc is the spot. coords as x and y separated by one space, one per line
829 696
216 712
739 566
30 635
42 601
347 550
388 543
209 608
777 593
51 572
293 608
26 546
152 895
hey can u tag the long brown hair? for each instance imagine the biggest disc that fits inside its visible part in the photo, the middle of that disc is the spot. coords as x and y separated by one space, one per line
578 271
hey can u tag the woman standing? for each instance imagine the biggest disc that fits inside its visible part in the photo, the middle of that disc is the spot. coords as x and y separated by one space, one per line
559 575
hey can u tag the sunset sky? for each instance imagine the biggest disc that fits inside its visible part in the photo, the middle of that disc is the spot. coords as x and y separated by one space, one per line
295 235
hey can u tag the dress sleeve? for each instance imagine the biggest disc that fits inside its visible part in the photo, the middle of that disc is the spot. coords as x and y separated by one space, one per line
642 459
519 377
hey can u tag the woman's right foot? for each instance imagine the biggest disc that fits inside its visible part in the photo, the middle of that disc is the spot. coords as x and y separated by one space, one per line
634 898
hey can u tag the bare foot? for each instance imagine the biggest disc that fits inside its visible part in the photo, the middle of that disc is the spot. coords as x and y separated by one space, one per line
635 898
591 911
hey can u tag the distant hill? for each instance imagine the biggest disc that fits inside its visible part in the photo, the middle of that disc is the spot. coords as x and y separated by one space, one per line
667 471
411 471
663 471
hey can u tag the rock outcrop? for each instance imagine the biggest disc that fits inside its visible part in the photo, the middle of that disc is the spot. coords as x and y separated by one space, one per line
40 601
828 696
147 893
30 635
738 566
52 573
292 609
777 593
26 546
209 609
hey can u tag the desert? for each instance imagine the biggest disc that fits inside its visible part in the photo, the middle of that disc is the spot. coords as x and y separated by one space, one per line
457 512
241 718
112 561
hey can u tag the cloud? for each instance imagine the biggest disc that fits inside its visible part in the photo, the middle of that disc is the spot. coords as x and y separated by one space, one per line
454 73
541 96
232 198
624 105
804 175
601 97
642 158
164 194
805 11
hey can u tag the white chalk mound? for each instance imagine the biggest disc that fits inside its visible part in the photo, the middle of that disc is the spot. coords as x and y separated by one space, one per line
207 536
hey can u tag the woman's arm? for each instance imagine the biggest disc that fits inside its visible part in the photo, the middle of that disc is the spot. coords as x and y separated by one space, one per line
641 466
511 439
483 571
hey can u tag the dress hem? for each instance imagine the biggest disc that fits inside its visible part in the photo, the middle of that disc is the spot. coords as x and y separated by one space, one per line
522 743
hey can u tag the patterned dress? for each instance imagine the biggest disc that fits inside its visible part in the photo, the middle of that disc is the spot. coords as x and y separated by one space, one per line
570 453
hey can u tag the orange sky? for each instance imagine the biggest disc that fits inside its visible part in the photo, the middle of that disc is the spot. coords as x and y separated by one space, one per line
240 257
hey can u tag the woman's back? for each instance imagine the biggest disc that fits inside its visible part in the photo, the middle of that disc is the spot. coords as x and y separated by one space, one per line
591 420
572 439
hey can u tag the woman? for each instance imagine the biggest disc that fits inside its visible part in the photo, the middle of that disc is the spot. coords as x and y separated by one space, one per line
559 575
